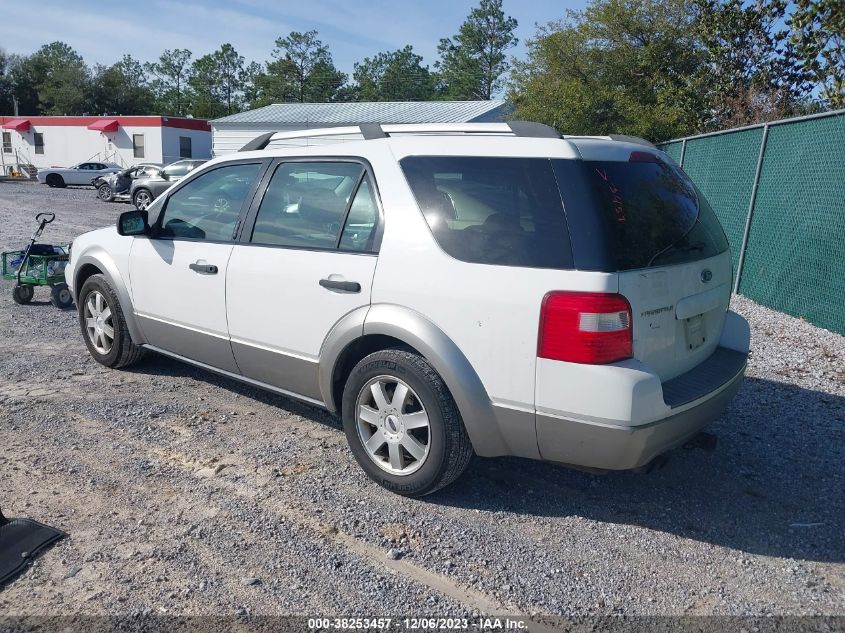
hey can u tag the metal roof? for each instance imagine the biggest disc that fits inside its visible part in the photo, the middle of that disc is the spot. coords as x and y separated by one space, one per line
320 114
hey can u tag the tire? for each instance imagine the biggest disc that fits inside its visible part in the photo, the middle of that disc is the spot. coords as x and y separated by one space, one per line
54 180
22 294
142 199
104 193
121 352
60 296
447 448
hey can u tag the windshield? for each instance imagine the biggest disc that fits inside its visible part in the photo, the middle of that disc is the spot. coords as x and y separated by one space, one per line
652 213
625 215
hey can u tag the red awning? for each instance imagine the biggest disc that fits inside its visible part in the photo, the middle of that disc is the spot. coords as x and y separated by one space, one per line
18 125
104 125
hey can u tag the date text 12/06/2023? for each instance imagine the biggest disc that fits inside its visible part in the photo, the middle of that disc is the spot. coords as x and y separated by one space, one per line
418 624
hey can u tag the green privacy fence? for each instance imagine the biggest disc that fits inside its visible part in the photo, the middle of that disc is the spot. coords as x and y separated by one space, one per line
779 191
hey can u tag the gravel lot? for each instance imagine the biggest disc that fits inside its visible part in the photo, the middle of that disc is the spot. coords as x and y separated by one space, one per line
186 493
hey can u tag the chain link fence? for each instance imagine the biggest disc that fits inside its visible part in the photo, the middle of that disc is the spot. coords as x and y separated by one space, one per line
779 191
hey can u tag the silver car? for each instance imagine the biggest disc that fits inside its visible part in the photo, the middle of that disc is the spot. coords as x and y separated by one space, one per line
80 174
146 189
115 187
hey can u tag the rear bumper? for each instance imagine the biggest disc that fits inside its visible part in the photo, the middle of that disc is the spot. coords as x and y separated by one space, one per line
611 446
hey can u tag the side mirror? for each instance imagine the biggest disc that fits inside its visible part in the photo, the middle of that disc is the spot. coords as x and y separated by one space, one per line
133 223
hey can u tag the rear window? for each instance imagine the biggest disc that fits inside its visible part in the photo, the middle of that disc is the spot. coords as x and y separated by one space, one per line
649 212
489 210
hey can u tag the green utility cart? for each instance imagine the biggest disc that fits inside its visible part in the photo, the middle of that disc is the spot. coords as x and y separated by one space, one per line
38 265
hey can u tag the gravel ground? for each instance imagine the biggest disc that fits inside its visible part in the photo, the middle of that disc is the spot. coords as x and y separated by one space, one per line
186 493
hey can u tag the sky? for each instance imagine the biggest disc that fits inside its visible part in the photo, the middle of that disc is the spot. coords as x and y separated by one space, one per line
353 29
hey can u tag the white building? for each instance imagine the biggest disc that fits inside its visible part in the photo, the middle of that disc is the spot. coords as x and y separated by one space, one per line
62 141
233 132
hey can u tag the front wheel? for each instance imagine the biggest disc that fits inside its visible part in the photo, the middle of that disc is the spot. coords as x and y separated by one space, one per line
402 424
104 192
142 199
22 294
103 325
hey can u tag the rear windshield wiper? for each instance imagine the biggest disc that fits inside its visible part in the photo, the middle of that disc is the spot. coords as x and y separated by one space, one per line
686 248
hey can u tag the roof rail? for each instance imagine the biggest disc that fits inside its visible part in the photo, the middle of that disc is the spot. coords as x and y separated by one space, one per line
529 129
259 142
371 131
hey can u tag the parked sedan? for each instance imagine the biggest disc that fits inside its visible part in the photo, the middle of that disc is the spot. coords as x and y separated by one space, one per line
115 187
80 174
146 189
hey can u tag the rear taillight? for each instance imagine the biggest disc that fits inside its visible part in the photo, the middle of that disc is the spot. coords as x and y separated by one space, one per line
585 327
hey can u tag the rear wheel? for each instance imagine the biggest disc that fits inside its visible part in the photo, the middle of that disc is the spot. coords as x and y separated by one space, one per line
142 199
103 325
54 180
22 294
60 296
402 424
104 192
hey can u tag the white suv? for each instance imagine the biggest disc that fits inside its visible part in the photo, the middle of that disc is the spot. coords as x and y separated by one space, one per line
486 288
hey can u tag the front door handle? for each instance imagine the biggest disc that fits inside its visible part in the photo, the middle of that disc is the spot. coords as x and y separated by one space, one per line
345 286
205 269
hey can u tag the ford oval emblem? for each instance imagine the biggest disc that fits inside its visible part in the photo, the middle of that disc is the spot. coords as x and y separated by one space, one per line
706 275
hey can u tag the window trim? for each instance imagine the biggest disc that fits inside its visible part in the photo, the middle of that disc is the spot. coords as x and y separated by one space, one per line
155 225
248 225
7 149
36 144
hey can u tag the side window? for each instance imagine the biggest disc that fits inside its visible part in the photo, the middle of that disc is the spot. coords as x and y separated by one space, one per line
305 204
177 170
490 210
207 208
359 232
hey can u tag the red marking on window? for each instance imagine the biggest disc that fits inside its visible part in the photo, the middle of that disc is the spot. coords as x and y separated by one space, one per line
616 201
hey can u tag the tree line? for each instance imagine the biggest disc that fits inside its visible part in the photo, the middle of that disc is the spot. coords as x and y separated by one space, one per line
653 68
55 80
662 69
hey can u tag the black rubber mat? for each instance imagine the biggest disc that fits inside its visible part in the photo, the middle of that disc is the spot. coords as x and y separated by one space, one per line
20 541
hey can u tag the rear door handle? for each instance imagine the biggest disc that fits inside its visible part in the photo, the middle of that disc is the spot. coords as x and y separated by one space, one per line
205 269
345 286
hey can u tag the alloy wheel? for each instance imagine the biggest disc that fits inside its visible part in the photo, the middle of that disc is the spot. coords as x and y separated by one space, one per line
99 322
393 425
142 200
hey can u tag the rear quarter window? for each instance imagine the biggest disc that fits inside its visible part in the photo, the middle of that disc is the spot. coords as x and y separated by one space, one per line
490 210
